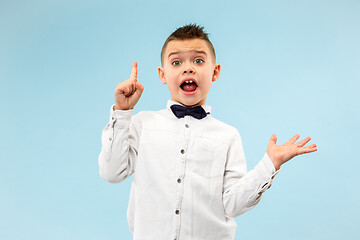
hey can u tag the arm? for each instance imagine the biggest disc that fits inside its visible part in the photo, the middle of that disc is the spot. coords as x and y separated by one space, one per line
243 190
120 139
120 136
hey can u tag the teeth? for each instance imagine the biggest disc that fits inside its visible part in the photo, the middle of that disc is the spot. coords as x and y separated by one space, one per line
189 81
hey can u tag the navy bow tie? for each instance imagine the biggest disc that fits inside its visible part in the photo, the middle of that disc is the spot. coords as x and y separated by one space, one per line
180 111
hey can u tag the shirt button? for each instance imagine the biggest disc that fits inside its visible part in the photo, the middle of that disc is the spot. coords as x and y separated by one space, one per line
110 138
182 151
112 118
177 212
179 180
187 125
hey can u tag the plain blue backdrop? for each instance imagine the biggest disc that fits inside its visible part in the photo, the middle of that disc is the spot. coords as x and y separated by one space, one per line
288 67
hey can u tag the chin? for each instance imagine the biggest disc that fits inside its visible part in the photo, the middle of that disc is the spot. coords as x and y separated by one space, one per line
191 103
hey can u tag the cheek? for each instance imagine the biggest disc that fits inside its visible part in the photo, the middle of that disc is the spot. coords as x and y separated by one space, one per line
207 76
172 80
208 85
208 72
171 83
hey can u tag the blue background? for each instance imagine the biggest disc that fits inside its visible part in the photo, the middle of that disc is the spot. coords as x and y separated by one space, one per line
287 67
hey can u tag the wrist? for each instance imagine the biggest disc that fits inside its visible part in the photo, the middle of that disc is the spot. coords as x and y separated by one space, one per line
116 107
276 165
276 162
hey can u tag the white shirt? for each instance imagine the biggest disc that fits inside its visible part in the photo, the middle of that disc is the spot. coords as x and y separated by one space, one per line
189 176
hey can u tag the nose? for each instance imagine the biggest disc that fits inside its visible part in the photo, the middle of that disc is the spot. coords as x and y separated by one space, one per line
188 69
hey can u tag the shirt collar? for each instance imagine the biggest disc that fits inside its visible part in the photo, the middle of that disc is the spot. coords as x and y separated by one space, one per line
170 102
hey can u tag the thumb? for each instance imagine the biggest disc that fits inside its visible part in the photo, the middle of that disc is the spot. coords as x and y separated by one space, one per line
273 139
139 87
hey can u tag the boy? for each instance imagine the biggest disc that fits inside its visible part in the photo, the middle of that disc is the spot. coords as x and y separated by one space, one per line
190 178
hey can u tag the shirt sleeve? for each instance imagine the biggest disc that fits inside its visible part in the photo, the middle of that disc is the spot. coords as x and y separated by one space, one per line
119 150
243 190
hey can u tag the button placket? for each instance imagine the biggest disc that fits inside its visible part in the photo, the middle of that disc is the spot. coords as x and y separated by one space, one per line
186 126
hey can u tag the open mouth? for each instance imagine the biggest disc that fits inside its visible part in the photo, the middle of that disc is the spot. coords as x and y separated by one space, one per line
188 86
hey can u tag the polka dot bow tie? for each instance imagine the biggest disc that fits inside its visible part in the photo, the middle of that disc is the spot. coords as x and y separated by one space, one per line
180 111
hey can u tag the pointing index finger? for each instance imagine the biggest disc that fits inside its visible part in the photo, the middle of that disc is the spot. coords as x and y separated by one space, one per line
134 71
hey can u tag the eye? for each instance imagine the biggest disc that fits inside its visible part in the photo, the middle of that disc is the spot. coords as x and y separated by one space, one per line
175 63
198 61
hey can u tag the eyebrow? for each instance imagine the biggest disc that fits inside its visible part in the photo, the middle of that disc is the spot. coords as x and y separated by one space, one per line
202 52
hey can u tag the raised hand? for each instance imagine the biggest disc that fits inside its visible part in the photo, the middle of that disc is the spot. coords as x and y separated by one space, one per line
280 154
128 93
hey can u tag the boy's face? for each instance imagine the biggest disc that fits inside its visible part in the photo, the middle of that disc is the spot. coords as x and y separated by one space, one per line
188 70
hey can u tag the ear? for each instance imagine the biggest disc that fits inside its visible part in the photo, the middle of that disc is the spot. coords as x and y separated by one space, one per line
162 75
216 72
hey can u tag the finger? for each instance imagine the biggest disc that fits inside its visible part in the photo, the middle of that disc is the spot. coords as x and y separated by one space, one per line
293 139
303 142
306 150
133 74
273 139
129 87
126 91
133 87
312 146
137 94
139 87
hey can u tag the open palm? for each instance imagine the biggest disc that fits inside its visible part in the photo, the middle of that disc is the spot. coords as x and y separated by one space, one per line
280 154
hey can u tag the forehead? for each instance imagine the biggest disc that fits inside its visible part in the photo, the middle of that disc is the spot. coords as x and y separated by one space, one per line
188 45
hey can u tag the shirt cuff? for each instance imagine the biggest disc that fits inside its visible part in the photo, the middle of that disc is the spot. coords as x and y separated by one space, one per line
266 170
120 117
